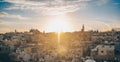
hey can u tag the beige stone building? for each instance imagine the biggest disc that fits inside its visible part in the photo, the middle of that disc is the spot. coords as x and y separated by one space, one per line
103 52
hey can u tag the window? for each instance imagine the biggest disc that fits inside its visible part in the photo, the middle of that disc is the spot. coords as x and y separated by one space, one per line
102 51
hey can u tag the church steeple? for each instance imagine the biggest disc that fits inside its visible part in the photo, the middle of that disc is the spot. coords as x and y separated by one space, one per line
83 28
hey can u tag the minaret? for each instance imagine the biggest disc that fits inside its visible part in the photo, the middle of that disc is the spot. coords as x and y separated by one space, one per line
82 30
15 30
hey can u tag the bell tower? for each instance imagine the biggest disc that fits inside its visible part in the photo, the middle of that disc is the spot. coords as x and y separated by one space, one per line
83 28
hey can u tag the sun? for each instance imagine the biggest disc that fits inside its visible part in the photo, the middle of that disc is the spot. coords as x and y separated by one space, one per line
58 24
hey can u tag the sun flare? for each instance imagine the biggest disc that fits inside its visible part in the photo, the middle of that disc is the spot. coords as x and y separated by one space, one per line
58 24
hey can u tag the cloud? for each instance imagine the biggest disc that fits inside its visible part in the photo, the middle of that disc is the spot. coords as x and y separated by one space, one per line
48 7
52 7
0 22
102 2
6 15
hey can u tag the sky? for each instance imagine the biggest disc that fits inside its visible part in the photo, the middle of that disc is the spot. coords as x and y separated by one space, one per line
24 15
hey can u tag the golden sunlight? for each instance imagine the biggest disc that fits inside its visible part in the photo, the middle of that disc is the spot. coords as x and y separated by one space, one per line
61 50
58 24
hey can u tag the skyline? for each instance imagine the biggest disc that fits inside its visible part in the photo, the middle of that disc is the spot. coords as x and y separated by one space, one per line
23 15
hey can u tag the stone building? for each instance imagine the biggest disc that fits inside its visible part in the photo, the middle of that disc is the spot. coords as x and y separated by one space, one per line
103 52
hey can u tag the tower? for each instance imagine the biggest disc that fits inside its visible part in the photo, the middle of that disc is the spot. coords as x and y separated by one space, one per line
15 30
82 30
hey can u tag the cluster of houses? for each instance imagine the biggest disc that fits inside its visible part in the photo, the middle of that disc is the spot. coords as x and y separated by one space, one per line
30 47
